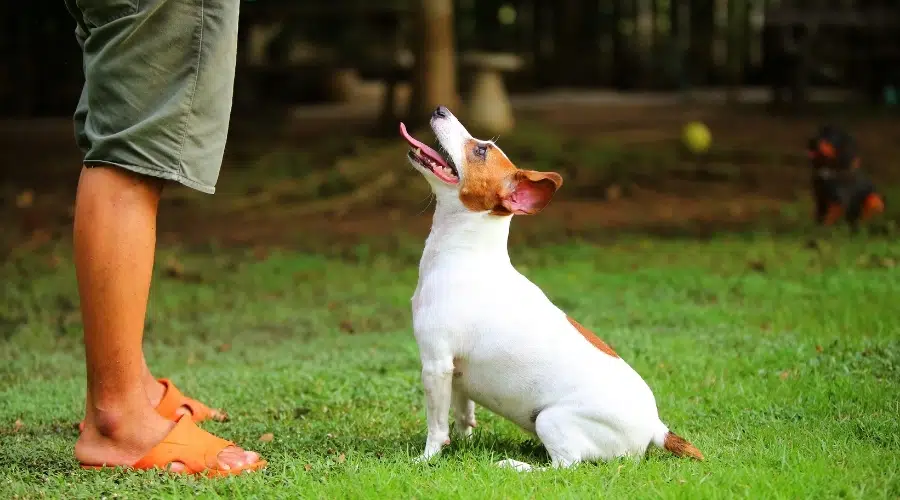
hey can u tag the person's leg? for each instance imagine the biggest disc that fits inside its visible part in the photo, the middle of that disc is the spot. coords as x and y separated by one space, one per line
157 390
153 387
155 107
114 238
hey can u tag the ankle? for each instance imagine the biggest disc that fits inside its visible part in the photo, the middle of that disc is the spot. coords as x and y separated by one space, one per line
120 436
112 419
111 424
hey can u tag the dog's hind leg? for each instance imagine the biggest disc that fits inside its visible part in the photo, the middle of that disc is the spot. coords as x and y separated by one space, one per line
574 435
571 437
560 432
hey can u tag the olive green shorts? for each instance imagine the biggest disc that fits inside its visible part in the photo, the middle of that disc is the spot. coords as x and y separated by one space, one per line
159 79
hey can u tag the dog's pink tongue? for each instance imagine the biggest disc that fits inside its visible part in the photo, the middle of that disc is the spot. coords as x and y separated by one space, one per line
425 149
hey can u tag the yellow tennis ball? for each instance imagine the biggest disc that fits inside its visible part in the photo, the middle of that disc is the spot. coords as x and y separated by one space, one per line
696 137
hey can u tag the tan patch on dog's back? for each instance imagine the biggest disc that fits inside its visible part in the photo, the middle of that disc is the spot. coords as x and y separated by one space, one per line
485 181
593 339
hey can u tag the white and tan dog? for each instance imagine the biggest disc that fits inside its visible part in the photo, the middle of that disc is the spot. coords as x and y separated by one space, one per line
488 335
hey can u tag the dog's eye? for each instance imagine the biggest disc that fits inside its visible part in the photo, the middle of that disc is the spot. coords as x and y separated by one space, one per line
480 150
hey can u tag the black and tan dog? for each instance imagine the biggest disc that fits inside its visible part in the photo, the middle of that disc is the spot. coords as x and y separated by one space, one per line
839 185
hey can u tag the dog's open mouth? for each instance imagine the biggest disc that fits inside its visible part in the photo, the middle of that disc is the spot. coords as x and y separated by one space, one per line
430 159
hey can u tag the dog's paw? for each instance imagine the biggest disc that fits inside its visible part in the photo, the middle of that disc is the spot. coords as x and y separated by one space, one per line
514 464
432 449
426 457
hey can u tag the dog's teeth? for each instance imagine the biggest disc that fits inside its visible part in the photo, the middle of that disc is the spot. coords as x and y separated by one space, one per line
418 152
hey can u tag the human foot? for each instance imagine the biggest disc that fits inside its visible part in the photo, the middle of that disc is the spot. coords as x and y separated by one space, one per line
146 440
171 404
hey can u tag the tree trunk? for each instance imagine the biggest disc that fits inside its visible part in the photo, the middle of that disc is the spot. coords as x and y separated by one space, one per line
701 41
737 13
568 57
435 81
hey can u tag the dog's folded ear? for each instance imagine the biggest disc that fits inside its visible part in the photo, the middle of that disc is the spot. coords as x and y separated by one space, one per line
531 191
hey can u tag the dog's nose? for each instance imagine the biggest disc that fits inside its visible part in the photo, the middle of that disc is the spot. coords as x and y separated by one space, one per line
441 112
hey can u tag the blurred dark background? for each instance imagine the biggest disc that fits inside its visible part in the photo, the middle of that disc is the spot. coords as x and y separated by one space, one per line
292 52
596 89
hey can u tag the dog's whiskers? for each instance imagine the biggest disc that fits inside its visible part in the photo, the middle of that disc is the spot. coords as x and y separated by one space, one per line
431 197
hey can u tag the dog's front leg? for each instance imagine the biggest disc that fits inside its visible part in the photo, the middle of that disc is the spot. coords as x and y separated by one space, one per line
463 412
437 378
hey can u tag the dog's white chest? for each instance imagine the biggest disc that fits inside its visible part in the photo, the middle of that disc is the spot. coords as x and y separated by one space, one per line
511 351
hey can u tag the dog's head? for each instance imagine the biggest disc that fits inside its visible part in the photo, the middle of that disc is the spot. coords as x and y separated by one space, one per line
476 175
832 149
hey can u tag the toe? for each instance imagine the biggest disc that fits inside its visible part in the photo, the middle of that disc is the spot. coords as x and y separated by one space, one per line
176 467
235 458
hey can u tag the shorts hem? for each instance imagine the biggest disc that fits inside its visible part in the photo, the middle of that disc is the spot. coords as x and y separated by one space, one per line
159 174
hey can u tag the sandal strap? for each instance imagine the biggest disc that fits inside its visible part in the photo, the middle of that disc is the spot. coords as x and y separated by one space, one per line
173 399
188 444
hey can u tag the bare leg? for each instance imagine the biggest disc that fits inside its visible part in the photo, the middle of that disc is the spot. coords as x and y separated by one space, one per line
154 389
115 239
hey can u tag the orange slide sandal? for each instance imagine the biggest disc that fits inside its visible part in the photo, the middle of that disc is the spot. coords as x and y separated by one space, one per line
173 399
192 446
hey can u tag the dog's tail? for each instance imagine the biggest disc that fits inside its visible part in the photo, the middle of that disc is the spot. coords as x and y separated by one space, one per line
676 444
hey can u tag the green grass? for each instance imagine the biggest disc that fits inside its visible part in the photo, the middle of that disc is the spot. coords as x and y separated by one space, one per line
779 361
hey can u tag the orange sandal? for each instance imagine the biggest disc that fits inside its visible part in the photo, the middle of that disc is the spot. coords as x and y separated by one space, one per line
173 399
190 445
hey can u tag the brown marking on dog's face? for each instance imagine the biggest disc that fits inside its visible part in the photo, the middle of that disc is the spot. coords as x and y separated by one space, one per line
593 339
492 183
827 149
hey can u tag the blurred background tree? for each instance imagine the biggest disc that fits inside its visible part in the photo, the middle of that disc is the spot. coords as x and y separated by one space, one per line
297 52
435 78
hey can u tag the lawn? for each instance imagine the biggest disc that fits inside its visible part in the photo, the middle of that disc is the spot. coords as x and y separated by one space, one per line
780 360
